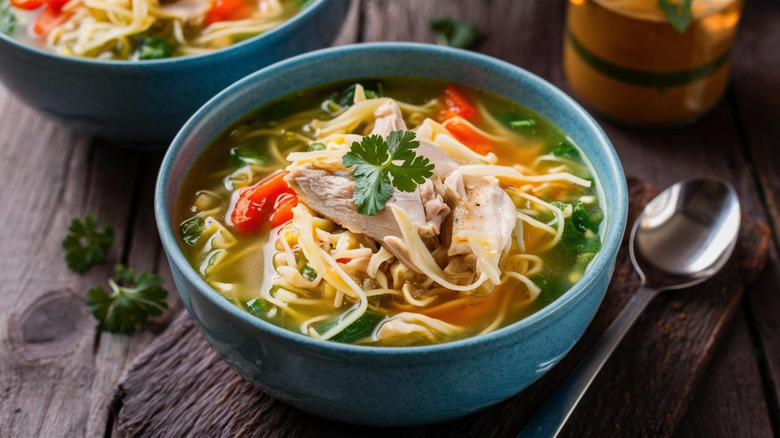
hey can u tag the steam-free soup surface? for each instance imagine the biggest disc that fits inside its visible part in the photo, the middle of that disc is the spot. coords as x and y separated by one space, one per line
506 221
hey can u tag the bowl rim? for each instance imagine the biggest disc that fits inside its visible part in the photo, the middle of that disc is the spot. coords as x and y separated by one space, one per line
312 8
613 236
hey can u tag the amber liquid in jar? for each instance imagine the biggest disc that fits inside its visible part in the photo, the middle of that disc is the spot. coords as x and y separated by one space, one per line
627 61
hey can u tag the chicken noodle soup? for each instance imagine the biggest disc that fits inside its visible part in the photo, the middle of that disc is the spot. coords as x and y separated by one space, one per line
142 29
391 212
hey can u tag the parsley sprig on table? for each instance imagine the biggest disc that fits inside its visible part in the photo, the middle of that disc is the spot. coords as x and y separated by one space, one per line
134 298
86 245
449 31
377 169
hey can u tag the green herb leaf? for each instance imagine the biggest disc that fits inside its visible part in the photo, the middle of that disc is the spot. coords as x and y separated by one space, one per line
86 245
152 47
308 272
585 218
679 13
242 155
7 18
346 98
305 3
132 300
258 306
449 31
191 229
316 147
361 328
374 162
522 125
565 149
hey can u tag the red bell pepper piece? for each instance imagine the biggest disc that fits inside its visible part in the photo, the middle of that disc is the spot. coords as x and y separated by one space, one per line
457 104
255 204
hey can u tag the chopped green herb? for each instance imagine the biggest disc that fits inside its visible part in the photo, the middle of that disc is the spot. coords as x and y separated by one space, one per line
374 164
305 3
565 149
361 328
132 301
449 31
258 306
7 18
308 272
678 12
559 204
86 245
242 155
316 147
152 47
347 97
585 218
522 124
191 229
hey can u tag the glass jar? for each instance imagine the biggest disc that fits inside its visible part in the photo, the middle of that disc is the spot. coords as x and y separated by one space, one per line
626 60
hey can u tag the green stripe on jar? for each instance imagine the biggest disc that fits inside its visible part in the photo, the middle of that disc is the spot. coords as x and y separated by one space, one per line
646 78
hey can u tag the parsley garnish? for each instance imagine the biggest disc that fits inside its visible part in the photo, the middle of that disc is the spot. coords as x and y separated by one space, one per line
374 160
134 299
565 149
152 47
678 12
7 18
191 229
451 32
86 245
241 155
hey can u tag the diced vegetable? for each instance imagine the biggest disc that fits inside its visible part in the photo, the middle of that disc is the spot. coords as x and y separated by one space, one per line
152 47
471 138
226 10
454 33
316 147
27 5
586 218
48 19
457 104
361 328
255 204
241 155
191 229
522 125
283 210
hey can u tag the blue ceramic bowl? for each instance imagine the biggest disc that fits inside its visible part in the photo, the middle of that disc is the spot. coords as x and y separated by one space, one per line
392 386
146 102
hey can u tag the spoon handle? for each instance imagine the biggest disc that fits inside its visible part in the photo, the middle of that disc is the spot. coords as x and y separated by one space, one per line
550 419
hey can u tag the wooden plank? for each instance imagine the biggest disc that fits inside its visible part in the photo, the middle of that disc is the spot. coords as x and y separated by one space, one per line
755 95
727 392
179 386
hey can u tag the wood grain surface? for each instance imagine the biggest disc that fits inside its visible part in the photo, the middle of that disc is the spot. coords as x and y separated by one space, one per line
57 374
180 387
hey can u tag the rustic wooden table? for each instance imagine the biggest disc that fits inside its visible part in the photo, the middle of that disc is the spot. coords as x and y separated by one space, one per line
57 373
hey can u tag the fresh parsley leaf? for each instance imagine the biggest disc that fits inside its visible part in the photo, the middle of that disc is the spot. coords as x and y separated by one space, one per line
679 13
191 229
86 245
308 272
7 18
152 47
316 147
374 161
565 149
347 97
449 31
585 218
132 300
241 155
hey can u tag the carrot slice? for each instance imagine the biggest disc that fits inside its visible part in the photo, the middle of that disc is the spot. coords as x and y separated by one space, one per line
255 204
283 212
48 19
457 104
469 137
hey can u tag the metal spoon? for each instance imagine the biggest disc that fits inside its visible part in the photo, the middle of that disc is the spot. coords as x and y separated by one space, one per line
683 237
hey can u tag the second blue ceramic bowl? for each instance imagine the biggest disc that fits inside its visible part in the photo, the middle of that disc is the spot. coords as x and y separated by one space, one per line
392 386
144 103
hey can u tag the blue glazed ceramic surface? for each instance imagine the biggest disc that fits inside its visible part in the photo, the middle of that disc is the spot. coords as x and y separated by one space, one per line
393 386
146 102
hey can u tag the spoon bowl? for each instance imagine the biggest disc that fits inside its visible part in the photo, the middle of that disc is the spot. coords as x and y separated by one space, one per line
686 234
